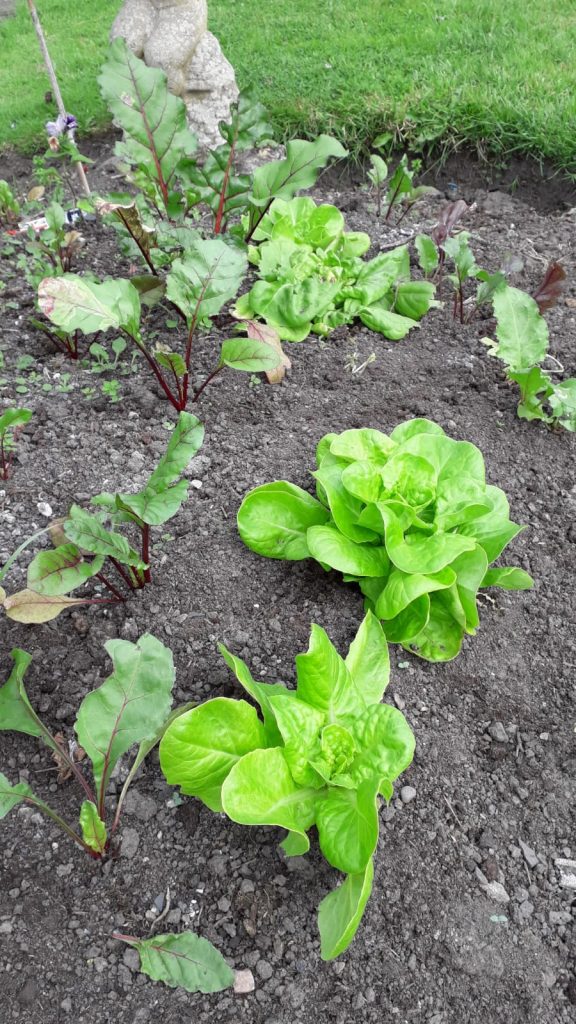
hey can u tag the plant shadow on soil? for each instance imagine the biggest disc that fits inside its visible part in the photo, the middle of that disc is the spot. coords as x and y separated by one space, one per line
432 946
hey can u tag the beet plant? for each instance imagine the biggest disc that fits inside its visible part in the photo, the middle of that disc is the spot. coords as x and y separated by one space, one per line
132 707
198 286
408 516
322 754
158 152
11 423
89 544
522 345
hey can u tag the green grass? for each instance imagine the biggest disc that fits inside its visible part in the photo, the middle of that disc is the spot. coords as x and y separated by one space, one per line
497 74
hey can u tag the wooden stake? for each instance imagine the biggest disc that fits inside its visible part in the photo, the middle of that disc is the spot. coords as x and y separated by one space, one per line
55 87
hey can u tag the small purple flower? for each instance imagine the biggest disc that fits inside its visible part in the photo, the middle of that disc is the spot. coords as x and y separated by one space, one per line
66 124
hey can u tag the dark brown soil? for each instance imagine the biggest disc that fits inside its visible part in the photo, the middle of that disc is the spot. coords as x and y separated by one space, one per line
433 947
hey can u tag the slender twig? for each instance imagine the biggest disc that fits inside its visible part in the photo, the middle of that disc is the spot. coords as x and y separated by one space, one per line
55 87
157 920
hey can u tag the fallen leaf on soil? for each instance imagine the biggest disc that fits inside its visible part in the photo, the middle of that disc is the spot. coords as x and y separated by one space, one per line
27 606
35 193
261 332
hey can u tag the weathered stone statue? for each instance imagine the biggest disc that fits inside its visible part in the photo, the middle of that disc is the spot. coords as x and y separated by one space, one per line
173 35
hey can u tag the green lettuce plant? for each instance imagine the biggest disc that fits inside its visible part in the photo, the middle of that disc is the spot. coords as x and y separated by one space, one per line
11 423
132 706
313 277
89 544
321 755
408 516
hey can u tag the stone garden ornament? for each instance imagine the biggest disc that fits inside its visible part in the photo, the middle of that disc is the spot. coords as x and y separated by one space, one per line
173 35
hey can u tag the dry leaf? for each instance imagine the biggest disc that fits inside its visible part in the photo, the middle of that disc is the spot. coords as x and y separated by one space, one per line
261 332
56 532
550 290
76 752
144 236
28 606
35 193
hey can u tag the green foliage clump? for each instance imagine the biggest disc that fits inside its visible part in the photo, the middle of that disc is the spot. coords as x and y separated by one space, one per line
321 755
408 516
312 276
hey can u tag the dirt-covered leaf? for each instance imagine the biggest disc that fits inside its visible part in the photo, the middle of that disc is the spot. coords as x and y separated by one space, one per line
10 796
209 275
30 607
129 216
249 355
74 303
93 828
183 961
61 570
150 288
129 707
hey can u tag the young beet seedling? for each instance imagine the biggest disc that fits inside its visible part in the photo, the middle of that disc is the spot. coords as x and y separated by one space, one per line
11 423
131 707
321 755
522 345
86 547
430 248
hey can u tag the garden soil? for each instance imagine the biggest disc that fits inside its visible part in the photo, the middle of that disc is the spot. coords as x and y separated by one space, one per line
495 759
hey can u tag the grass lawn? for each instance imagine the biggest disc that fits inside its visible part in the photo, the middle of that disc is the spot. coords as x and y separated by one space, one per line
499 75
